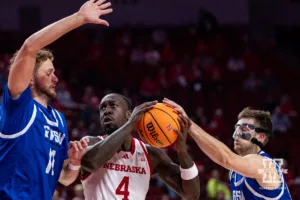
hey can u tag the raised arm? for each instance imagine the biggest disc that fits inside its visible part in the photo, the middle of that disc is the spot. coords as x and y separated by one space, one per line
23 66
184 178
217 151
248 166
99 153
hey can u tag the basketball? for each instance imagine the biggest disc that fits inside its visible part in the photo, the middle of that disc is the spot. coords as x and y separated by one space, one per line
156 126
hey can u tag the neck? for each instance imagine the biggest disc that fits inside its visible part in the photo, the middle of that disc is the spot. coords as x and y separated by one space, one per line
42 101
40 98
253 150
126 146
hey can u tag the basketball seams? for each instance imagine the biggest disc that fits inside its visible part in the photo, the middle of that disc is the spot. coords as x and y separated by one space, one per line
145 130
160 127
169 116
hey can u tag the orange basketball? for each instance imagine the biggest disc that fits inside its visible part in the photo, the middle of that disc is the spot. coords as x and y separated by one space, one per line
156 126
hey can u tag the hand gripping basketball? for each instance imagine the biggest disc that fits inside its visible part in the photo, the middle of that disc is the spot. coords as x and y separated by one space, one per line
175 106
139 111
185 123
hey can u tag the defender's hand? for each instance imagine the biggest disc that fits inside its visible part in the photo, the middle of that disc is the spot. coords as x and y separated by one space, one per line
90 11
76 150
139 111
175 106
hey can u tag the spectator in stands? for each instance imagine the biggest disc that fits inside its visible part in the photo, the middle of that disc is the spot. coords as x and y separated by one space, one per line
64 96
235 64
281 121
217 189
252 83
152 56
137 55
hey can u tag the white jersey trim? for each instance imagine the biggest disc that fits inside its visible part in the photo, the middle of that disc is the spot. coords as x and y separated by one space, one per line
230 174
52 123
25 129
59 118
236 184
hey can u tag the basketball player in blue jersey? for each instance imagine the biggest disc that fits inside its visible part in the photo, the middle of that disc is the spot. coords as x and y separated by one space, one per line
33 135
253 174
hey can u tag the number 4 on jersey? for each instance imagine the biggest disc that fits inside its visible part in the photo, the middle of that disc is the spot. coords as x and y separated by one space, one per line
123 188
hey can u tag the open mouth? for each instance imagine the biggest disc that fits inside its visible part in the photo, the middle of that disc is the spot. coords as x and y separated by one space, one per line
107 120
53 87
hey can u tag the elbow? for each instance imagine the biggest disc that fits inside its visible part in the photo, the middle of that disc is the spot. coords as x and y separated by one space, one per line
195 196
65 181
28 47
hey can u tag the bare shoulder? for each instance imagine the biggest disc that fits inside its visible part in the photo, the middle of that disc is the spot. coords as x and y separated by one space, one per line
254 159
253 156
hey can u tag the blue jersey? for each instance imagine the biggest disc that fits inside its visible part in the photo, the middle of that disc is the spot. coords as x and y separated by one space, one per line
33 147
244 188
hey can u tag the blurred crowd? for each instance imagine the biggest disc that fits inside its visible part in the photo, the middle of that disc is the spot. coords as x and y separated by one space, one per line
212 72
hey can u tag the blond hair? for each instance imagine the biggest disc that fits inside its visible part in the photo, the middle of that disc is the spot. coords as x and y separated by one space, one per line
41 56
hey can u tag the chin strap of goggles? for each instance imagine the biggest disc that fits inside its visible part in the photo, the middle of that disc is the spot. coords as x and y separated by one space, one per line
247 136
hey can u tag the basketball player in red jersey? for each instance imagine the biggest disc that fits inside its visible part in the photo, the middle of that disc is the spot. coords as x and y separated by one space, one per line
119 167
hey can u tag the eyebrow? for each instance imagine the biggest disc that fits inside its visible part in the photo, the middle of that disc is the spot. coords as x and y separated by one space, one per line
50 70
109 101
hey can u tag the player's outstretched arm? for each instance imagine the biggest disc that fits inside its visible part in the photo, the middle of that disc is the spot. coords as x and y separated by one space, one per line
99 153
23 66
248 166
184 178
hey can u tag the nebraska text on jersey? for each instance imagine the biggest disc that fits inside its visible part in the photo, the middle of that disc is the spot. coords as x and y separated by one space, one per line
125 176
125 168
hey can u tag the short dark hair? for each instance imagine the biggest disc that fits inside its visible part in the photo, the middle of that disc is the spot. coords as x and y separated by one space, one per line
263 118
127 100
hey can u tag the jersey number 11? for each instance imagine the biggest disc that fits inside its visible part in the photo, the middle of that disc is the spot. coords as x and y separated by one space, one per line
51 162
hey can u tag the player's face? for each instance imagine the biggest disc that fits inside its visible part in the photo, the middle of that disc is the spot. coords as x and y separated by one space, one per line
112 113
45 79
243 134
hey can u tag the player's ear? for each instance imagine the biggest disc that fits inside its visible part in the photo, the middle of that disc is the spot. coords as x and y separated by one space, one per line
261 137
31 81
128 114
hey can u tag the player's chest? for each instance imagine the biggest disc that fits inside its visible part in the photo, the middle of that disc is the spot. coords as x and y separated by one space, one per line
49 129
127 162
237 182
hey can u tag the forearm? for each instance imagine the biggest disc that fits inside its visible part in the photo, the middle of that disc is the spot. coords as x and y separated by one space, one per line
24 63
98 154
68 176
53 31
213 148
191 188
